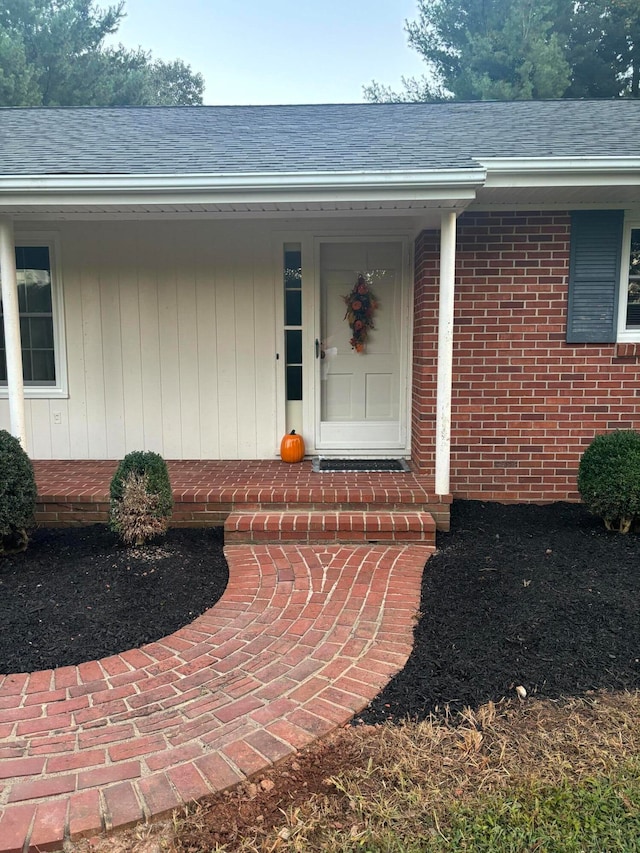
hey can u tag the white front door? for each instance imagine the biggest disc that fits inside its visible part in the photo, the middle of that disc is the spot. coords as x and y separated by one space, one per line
362 400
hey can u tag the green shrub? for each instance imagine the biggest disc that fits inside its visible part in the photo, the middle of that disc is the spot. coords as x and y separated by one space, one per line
141 499
17 494
609 479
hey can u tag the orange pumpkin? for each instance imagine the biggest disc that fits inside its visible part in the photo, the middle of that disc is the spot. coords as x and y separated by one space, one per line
292 447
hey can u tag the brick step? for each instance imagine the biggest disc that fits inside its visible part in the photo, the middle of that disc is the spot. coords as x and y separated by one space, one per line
330 526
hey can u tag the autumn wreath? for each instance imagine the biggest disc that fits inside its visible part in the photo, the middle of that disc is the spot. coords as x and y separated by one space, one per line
361 304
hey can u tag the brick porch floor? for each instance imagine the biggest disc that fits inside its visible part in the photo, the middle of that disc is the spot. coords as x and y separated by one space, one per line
303 638
205 492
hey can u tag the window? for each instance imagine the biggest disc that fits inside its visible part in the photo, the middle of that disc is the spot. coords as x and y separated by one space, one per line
293 321
41 334
630 301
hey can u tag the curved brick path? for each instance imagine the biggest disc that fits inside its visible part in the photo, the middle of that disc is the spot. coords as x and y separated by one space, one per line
302 639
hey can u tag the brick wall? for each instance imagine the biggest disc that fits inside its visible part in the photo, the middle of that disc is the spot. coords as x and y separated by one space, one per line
525 403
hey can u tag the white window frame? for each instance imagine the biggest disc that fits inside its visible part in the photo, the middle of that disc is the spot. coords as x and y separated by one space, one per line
625 334
61 389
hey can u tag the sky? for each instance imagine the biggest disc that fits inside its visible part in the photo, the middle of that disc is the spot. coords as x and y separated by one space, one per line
278 51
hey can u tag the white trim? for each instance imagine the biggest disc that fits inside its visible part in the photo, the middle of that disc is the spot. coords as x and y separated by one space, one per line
445 351
451 186
11 323
560 171
626 335
414 178
551 163
263 191
60 390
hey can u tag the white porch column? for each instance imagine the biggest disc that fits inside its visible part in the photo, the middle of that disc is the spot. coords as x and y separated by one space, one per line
11 312
445 350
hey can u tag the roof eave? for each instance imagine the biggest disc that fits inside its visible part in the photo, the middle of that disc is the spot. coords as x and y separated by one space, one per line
283 186
560 171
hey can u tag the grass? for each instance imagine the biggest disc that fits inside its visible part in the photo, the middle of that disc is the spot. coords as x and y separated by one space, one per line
543 776
595 814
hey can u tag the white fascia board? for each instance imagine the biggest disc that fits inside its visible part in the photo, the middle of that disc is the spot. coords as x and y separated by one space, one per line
560 171
244 188
267 201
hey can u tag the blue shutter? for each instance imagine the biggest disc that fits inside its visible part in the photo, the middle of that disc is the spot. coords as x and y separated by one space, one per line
594 276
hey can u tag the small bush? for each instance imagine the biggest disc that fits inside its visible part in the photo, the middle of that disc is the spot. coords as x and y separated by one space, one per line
609 479
136 515
17 495
141 499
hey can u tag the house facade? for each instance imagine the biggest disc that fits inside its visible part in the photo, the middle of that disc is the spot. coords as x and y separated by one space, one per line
179 279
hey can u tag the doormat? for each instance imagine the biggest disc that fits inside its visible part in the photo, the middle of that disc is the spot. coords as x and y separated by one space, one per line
345 465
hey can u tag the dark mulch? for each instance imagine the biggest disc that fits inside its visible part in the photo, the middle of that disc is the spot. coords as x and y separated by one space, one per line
77 594
542 597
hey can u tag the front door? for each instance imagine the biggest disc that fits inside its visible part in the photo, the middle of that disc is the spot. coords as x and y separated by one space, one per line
362 370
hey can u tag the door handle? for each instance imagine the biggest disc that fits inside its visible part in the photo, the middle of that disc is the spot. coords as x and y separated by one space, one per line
317 348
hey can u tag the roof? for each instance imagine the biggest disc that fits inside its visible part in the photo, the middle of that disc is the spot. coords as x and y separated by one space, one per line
308 139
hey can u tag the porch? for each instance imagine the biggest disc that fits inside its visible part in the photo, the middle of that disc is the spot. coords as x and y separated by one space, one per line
264 500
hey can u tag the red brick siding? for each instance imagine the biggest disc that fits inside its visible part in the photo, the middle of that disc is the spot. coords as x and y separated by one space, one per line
525 403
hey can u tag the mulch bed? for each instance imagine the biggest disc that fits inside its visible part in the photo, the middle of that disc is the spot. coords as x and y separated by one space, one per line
541 597
78 594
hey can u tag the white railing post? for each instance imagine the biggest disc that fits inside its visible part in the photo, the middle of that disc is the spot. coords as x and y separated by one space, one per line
11 317
445 350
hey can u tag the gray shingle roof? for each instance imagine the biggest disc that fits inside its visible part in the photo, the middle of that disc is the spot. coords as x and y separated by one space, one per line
314 138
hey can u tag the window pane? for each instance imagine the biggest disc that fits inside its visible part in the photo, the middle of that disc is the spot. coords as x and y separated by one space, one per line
41 332
294 383
293 308
22 293
3 365
38 292
25 333
293 340
292 269
44 366
294 346
34 257
27 373
633 298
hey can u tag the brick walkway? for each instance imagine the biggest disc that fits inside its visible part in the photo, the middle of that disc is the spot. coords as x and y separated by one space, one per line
303 638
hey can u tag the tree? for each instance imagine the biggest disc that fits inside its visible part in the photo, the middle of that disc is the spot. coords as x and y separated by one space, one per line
521 49
604 49
52 53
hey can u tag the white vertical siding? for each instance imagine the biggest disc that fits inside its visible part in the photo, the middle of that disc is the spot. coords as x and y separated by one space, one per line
267 287
170 343
208 420
171 333
167 274
92 273
112 333
189 346
129 288
150 389
74 410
